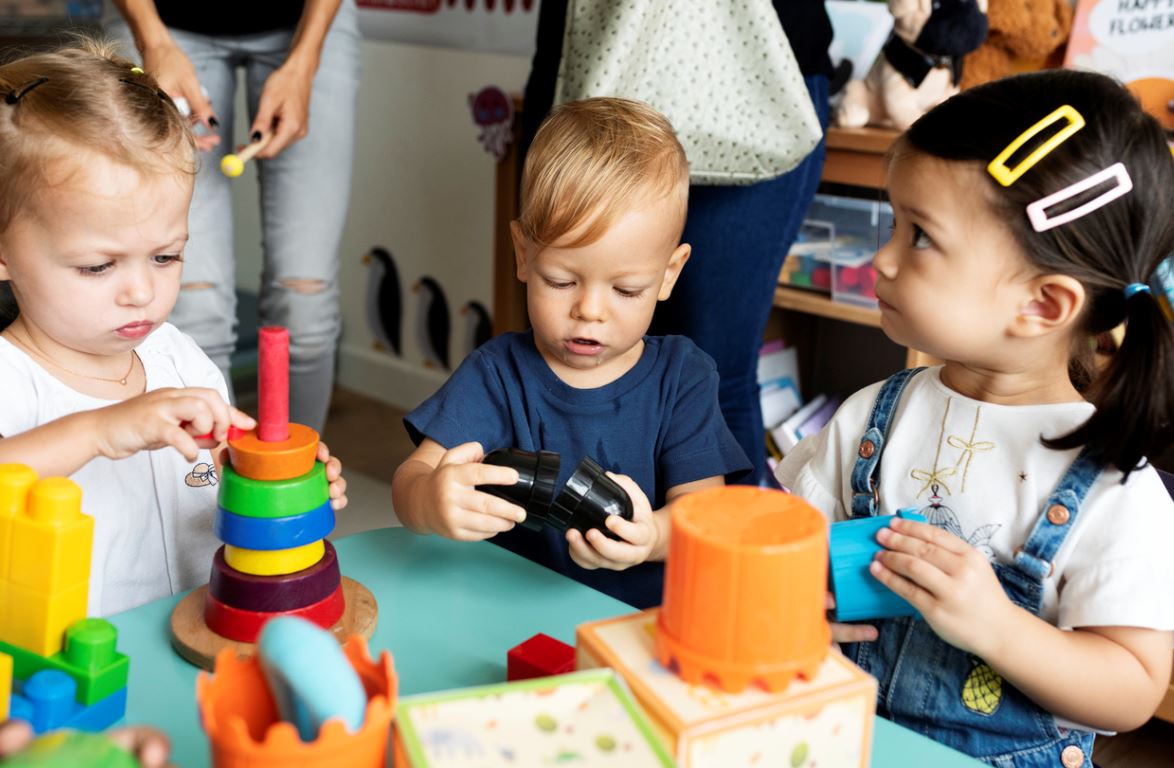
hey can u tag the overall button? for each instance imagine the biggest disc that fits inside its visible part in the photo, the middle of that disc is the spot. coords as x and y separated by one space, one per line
1057 514
867 448
1072 756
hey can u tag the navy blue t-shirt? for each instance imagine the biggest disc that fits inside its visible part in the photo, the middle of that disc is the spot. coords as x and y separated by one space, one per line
659 424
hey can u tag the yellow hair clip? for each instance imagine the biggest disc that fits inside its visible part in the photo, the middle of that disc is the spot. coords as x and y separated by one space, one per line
137 71
1007 176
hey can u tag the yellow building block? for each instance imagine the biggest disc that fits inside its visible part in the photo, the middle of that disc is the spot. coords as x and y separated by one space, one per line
15 482
5 684
274 562
37 622
53 540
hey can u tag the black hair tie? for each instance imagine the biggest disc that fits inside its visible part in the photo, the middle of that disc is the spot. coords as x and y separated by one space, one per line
14 96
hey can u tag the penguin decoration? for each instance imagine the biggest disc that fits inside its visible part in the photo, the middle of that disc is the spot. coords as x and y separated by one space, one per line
384 301
478 325
432 322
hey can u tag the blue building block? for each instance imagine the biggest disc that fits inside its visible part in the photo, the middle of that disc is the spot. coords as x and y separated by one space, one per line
47 701
859 596
269 533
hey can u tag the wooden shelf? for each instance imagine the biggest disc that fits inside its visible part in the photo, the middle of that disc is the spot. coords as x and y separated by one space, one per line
799 300
856 156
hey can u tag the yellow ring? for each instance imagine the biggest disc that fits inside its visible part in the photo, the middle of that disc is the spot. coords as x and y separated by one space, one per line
276 562
1007 176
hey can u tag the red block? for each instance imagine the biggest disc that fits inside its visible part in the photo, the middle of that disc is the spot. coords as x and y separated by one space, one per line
540 656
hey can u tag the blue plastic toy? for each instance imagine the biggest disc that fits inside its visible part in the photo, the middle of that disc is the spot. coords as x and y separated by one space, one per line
269 533
310 677
48 701
859 596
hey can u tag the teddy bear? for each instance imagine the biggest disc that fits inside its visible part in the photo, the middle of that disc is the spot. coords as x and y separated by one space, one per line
920 64
1023 35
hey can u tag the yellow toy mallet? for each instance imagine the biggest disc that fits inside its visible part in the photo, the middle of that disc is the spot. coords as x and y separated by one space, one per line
234 165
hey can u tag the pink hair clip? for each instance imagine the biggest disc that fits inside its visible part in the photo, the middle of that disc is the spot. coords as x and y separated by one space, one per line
1037 212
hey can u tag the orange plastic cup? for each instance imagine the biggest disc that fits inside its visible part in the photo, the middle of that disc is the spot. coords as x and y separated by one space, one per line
745 589
245 731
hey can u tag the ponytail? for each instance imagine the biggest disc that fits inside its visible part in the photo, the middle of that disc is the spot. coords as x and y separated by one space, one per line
1134 394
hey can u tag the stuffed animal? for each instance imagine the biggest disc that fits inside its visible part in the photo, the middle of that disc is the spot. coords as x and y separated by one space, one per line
1023 35
920 65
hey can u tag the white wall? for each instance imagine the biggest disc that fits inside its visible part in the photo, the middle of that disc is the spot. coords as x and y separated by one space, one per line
422 188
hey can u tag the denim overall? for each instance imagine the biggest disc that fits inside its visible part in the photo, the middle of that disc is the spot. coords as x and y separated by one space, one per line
947 694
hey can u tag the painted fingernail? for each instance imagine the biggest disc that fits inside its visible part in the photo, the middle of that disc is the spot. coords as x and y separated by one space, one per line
256 136
212 121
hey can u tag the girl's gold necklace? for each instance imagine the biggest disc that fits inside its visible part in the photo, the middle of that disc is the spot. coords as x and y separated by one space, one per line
28 343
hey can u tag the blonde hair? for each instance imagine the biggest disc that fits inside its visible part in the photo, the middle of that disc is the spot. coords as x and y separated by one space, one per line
593 160
83 97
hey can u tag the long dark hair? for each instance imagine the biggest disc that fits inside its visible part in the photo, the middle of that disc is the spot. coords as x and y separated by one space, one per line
1116 245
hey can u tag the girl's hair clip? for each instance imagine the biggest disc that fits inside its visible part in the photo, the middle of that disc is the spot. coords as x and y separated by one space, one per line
1037 212
1007 176
12 97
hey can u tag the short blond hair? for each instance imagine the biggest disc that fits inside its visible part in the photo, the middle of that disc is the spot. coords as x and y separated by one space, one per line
83 97
593 160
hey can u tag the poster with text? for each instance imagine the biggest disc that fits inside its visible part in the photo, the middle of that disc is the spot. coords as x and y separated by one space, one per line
484 26
1133 41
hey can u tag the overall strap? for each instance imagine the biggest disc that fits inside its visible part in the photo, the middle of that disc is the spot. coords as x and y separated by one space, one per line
1057 518
866 470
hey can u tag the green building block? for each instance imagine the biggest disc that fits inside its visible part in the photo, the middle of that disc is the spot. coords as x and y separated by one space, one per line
89 657
273 498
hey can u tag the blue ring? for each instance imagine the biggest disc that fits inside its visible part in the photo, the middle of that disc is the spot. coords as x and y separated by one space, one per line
1133 288
269 533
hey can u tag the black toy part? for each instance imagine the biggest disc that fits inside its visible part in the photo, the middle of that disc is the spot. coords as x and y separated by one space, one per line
588 499
537 477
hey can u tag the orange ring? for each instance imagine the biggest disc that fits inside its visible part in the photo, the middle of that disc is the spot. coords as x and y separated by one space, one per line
293 457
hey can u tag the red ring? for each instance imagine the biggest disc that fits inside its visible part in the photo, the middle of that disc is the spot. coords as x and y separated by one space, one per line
245 626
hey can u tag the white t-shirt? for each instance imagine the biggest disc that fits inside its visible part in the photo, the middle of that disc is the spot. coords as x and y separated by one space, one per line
152 512
992 476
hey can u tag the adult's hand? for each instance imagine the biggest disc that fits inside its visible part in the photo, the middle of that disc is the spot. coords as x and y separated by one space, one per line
284 110
176 75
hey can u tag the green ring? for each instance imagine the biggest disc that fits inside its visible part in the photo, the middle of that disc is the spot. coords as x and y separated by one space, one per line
274 498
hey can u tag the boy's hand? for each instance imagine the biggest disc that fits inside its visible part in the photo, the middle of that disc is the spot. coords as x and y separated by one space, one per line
338 499
849 633
454 507
640 535
166 417
950 582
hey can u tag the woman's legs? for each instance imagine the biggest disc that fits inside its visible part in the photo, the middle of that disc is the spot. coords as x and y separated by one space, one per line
304 193
740 236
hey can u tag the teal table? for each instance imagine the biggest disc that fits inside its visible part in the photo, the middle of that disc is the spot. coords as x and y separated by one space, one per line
448 612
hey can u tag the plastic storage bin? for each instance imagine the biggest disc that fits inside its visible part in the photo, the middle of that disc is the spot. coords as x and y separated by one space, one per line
834 249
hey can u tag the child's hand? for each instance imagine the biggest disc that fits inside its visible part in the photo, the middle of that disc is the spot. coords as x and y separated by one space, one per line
950 582
454 508
338 498
166 417
849 633
149 745
639 536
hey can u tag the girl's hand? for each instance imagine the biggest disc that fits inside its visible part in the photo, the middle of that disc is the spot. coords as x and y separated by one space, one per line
455 509
284 109
174 72
166 417
849 633
950 582
149 745
639 536
338 499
